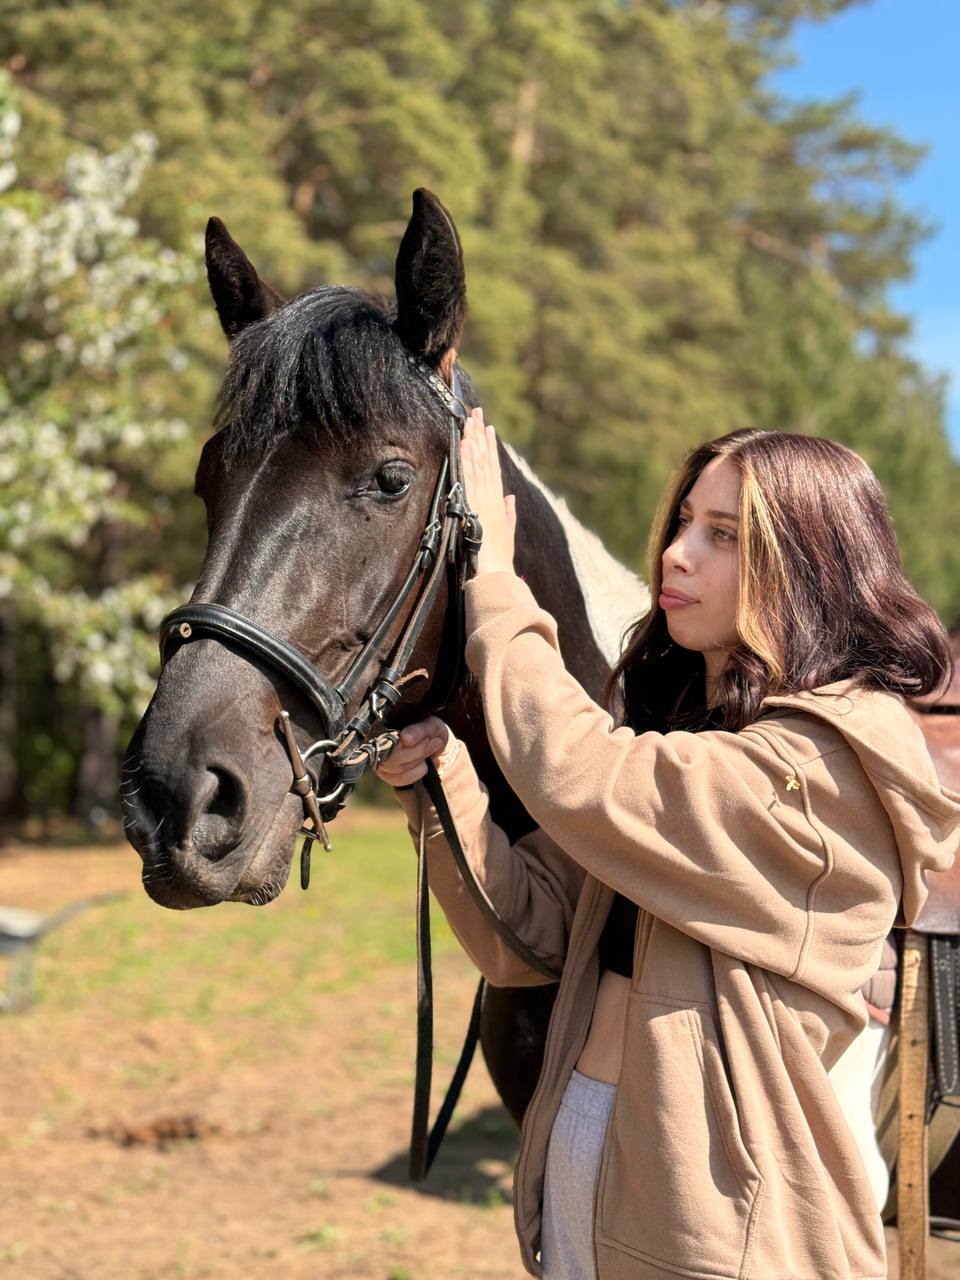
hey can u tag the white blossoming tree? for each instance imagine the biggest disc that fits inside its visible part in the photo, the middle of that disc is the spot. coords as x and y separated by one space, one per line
87 349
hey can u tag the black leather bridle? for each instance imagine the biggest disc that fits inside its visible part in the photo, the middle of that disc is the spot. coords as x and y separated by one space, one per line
448 546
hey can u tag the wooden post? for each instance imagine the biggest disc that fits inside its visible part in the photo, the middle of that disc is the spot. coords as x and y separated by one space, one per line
913 1208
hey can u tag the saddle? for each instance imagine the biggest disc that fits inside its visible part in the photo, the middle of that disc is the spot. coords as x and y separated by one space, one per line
919 1118
939 921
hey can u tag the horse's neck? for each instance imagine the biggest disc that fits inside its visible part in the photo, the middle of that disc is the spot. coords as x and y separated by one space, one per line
591 595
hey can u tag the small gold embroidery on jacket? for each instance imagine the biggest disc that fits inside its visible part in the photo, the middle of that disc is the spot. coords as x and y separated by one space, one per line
792 783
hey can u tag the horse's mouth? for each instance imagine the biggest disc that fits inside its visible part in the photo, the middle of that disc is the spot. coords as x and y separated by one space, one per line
255 872
180 892
264 894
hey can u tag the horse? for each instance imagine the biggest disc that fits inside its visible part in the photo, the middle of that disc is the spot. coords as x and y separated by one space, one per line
319 483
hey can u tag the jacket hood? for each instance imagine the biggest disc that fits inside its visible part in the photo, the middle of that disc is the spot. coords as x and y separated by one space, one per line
890 746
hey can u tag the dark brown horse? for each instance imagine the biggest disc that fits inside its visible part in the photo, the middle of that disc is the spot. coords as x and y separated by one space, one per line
317 487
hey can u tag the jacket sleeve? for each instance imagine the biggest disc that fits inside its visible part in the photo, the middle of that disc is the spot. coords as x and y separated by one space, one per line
532 883
700 829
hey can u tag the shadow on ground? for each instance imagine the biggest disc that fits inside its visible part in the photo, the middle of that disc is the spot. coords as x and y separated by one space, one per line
469 1165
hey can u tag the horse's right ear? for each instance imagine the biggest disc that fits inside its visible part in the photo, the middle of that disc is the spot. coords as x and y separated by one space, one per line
240 296
431 292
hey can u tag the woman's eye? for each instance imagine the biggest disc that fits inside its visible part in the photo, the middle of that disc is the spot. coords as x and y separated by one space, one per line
393 479
724 534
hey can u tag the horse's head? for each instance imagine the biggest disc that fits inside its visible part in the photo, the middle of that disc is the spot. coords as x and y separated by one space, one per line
318 485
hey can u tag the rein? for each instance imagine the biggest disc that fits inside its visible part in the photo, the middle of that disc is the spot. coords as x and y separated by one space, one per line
448 547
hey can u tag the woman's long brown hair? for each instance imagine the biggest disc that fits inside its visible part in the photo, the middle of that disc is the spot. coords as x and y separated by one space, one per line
822 592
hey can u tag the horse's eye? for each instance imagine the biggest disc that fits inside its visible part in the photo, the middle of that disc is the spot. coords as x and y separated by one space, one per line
394 478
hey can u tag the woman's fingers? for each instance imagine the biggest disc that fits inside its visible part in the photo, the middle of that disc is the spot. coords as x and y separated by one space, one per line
404 778
417 742
402 756
431 727
483 483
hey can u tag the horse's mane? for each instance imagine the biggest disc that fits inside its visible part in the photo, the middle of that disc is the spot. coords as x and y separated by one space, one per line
330 359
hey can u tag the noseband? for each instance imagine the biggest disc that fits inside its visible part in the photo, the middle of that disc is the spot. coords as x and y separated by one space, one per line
449 542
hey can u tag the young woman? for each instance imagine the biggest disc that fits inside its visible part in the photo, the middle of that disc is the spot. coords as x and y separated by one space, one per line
717 874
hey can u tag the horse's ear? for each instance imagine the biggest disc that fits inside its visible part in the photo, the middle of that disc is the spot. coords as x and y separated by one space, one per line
239 294
431 293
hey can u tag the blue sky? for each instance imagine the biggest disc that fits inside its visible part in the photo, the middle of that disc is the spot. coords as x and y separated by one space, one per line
902 55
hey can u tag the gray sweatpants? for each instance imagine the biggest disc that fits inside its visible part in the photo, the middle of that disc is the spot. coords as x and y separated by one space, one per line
573 1160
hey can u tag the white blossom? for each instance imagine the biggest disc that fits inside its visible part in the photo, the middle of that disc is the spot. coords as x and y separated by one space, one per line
83 293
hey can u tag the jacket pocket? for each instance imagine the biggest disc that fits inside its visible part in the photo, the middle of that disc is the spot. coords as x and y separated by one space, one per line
677 1186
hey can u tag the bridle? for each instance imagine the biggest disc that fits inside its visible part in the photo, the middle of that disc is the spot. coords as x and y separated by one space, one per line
448 547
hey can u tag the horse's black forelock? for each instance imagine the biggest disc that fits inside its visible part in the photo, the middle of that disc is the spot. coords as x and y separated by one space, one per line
328 361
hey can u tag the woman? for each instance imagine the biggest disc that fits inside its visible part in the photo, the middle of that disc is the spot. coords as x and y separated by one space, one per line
716 875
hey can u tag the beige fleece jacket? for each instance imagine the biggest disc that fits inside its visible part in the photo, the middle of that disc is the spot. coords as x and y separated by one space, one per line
768 867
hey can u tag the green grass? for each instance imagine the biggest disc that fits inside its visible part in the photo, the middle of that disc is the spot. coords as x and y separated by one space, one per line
258 964
326 1236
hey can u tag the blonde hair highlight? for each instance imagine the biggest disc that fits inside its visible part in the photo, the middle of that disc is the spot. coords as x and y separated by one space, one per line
765 595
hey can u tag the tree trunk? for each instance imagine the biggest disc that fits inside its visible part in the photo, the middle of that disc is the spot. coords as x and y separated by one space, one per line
11 791
98 769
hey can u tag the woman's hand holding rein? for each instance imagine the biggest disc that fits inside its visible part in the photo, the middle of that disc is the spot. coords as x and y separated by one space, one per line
418 742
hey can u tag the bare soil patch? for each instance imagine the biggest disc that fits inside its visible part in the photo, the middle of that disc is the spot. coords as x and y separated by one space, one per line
193 1141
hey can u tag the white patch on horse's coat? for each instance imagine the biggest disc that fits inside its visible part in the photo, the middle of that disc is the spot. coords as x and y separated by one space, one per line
613 594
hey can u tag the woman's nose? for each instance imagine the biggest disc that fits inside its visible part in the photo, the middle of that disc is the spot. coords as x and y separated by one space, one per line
675 557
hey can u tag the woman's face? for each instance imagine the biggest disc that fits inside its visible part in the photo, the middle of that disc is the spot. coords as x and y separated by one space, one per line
702 564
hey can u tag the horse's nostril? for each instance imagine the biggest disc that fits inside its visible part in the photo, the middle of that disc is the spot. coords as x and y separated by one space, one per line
218 826
225 801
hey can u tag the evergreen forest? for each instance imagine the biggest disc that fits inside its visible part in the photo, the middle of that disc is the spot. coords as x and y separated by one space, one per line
659 249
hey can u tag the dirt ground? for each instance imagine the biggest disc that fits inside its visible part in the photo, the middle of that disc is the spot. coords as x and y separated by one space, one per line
169 1147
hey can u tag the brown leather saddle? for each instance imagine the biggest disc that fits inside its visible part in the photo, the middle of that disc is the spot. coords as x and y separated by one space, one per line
939 719
935 935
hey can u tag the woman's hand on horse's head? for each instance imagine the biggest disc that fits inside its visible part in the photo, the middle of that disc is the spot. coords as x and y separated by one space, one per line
418 742
484 488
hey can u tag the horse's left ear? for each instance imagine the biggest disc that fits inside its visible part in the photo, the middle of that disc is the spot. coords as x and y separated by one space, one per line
431 291
240 296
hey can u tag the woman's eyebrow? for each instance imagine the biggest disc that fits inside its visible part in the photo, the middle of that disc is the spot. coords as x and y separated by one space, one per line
717 515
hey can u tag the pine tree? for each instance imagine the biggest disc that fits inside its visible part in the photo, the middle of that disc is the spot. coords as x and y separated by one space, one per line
659 249
86 302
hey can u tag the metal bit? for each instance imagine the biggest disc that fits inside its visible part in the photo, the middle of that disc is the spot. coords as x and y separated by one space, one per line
310 800
300 775
303 786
